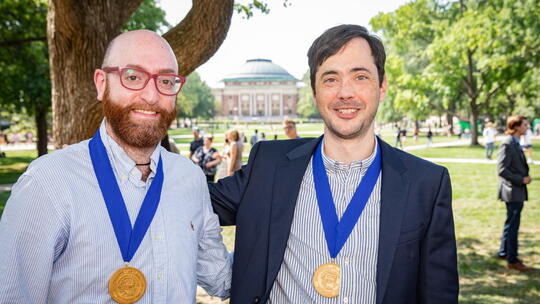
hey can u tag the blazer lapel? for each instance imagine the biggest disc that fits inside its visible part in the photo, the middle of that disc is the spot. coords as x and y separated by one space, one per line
287 181
394 192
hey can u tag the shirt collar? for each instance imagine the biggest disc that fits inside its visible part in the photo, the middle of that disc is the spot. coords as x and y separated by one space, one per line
122 164
334 166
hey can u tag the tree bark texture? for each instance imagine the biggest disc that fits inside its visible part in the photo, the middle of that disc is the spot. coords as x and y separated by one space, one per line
41 126
78 32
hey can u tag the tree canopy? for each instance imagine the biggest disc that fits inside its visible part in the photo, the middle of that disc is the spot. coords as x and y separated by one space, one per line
469 58
196 99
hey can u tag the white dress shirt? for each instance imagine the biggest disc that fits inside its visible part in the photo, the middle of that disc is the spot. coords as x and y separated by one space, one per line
58 244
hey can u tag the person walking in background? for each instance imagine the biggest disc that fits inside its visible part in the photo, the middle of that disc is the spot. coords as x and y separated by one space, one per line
289 126
196 142
254 138
263 137
429 136
117 217
526 143
398 139
514 177
489 139
207 158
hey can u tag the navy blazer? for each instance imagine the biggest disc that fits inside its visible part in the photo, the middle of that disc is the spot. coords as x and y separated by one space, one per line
417 250
512 168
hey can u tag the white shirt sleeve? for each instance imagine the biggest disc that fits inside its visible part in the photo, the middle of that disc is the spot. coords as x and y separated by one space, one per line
214 263
32 237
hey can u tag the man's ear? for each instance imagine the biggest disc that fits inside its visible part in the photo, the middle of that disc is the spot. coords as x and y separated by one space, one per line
100 80
383 88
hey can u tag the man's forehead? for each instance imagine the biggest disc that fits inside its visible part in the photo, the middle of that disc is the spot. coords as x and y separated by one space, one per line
359 47
142 49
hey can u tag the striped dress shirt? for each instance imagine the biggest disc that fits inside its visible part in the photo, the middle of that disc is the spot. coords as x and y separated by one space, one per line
58 245
306 248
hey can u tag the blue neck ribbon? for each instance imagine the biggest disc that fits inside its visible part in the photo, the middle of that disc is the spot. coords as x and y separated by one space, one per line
337 232
128 239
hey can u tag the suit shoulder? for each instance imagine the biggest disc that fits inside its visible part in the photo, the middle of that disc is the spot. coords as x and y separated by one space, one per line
283 144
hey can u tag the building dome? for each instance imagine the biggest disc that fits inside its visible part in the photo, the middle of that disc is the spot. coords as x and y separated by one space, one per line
260 70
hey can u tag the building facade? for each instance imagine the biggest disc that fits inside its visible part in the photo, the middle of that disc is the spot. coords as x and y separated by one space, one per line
259 89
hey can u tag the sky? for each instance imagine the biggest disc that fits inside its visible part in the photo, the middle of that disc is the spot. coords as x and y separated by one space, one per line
283 36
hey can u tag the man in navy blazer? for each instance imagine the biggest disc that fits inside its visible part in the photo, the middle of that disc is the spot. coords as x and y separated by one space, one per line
514 177
343 218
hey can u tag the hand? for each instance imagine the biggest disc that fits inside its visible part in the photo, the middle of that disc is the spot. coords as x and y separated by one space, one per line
527 180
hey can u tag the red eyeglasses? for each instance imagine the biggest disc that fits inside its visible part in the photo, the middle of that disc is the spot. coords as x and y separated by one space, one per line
136 79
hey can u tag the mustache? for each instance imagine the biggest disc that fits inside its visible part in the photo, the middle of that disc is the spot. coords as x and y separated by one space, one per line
145 107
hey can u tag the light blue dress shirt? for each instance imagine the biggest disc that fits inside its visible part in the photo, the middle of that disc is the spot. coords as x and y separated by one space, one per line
58 245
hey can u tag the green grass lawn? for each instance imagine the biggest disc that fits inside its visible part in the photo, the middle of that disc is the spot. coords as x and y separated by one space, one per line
14 164
479 218
452 152
466 152
3 199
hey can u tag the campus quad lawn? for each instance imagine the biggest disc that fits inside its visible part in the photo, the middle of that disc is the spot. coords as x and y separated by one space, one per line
479 218
14 164
476 152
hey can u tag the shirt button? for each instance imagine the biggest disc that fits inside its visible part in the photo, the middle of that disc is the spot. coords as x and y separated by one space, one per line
352 188
345 300
160 276
157 237
346 261
124 177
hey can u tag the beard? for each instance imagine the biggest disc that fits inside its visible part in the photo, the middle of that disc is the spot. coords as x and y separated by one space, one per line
137 134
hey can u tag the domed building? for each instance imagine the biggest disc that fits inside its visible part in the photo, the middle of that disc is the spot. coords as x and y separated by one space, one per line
260 88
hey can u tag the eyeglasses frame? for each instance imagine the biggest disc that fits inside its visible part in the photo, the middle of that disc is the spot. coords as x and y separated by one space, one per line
151 76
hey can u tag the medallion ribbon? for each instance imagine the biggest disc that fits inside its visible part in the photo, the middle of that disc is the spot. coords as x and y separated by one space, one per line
337 232
128 238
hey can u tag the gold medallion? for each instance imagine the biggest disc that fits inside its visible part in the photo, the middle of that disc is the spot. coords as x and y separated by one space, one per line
127 285
326 280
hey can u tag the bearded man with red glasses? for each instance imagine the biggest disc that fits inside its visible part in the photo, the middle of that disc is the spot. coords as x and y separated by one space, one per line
117 217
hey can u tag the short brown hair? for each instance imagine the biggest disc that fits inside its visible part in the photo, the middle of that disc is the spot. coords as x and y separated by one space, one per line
331 41
513 122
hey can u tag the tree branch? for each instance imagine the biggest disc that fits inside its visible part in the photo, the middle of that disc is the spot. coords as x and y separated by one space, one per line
9 43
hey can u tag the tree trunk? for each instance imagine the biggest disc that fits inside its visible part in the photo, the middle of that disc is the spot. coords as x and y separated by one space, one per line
78 33
450 122
474 127
41 125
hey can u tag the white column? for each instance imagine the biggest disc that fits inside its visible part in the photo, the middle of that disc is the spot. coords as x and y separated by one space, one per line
281 105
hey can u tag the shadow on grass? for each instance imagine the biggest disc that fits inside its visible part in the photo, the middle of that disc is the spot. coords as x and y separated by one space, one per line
12 167
485 279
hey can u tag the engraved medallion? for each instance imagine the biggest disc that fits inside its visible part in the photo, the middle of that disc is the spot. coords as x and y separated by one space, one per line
127 285
326 280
